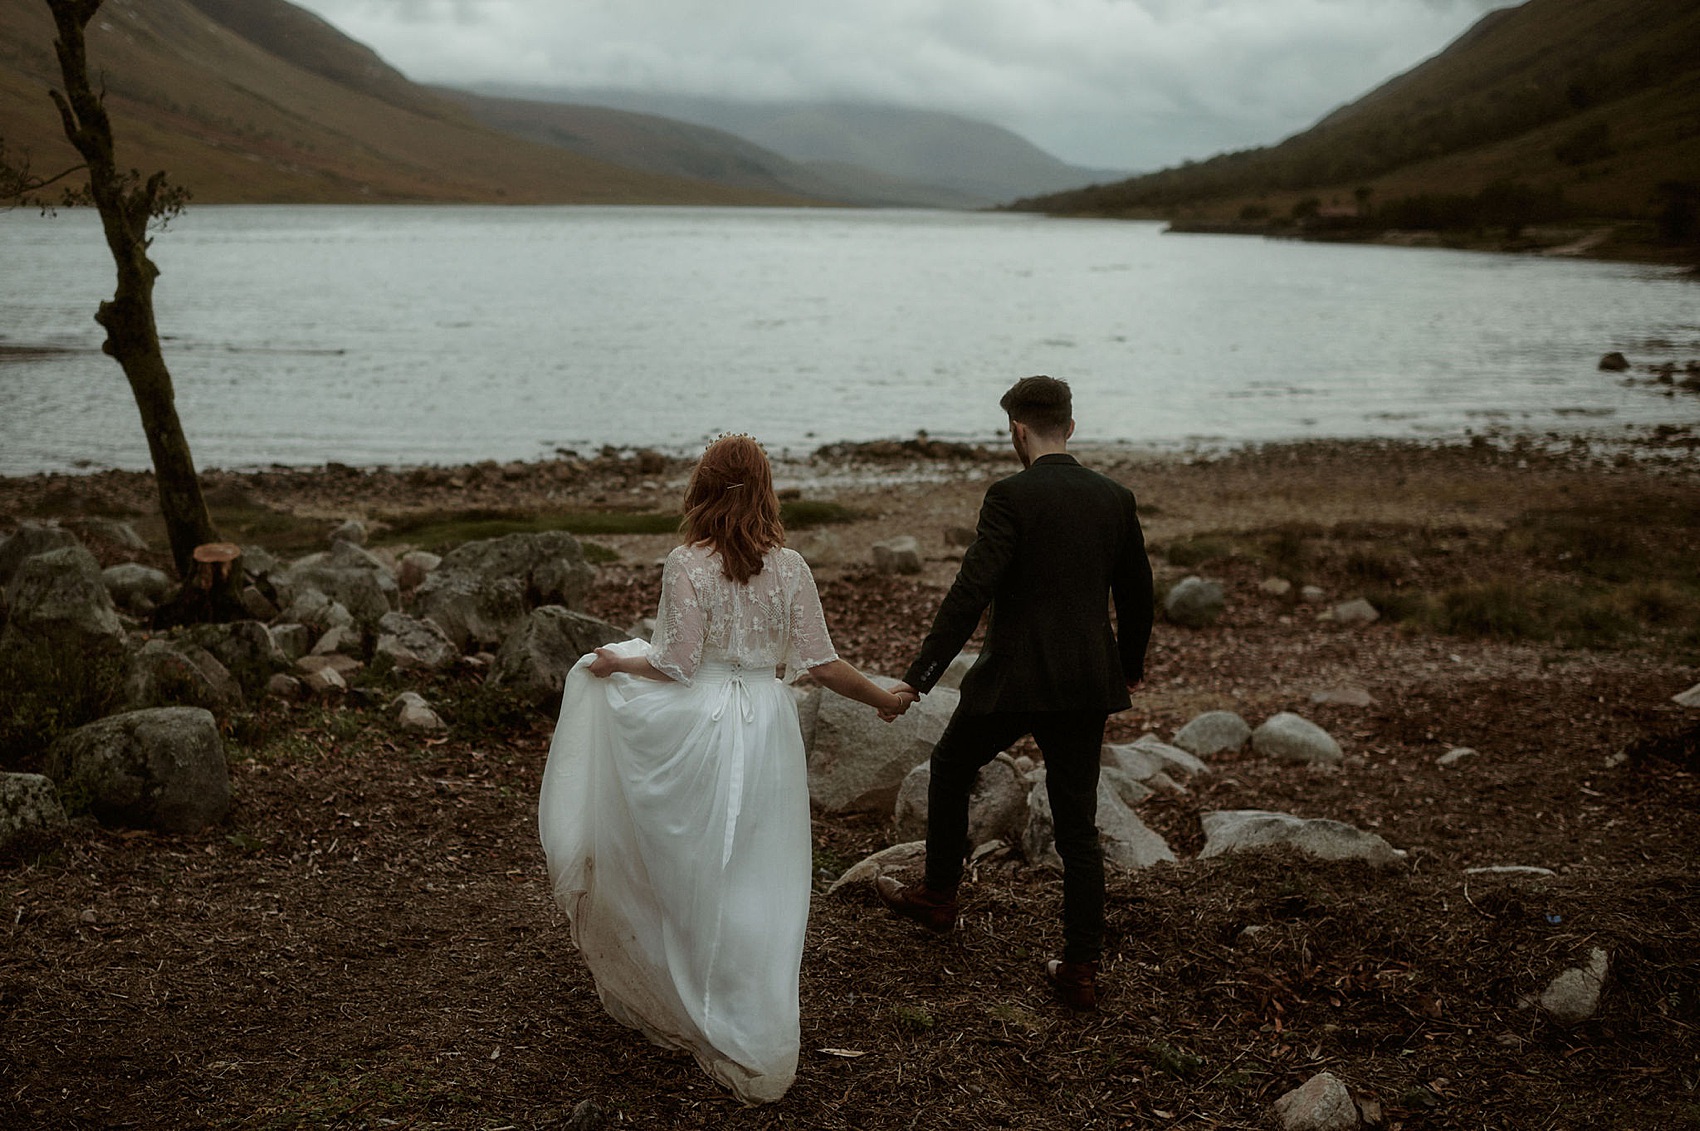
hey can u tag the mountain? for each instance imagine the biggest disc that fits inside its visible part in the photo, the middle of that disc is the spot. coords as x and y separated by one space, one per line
1584 106
258 100
976 161
667 145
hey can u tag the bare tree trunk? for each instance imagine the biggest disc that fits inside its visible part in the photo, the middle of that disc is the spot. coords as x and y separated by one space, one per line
126 207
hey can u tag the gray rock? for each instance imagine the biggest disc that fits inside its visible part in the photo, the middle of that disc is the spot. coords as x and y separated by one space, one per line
259 606
1321 1103
262 566
246 648
1131 790
324 681
1213 733
958 668
857 763
180 673
412 644
1139 765
1194 603
285 686
897 555
292 640
416 566
350 577
819 548
1454 756
353 531
1574 996
1311 594
60 596
28 802
162 768
1347 696
1126 842
1243 830
1276 586
536 658
1356 612
412 712
344 639
134 587
482 590
1689 698
1287 737
108 530
317 611
1614 362
997 807
344 666
30 539
1175 760
905 857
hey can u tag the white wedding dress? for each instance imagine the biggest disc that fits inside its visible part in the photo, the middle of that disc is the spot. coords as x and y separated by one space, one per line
675 818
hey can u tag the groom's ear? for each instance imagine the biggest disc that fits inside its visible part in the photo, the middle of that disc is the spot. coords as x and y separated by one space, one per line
1069 435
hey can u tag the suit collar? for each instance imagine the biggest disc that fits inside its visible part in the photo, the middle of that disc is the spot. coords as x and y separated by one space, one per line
1062 458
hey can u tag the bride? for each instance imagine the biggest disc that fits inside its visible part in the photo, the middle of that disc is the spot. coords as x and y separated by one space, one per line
675 805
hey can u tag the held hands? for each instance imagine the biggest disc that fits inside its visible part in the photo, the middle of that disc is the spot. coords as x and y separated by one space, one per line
904 696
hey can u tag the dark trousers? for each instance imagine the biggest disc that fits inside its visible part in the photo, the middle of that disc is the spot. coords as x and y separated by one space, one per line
1070 742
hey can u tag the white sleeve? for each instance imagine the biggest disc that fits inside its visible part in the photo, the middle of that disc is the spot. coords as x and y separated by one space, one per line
810 644
681 624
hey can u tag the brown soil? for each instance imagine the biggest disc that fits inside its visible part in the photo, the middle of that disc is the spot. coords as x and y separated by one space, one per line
368 941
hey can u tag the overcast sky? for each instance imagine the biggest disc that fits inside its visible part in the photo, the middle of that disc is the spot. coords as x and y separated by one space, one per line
1127 84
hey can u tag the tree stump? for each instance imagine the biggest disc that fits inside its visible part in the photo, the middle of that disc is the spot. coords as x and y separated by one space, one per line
211 592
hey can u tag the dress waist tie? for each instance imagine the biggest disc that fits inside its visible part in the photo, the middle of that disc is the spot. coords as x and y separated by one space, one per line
734 693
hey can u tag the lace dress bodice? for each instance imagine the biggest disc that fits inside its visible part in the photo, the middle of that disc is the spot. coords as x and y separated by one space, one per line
705 617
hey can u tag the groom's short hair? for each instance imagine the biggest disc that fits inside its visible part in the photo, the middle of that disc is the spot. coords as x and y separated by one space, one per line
1044 404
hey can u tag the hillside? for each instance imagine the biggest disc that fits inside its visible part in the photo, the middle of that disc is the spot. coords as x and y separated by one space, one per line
259 101
683 149
975 162
1590 104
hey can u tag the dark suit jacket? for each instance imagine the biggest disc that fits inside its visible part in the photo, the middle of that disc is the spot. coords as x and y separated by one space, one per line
1054 544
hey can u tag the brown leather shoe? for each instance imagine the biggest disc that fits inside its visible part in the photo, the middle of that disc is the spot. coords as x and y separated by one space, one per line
934 910
1075 983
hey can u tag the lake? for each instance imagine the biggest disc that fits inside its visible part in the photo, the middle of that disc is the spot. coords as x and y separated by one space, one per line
407 335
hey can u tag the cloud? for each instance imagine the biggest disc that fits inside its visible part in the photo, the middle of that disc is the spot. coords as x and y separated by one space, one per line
1116 83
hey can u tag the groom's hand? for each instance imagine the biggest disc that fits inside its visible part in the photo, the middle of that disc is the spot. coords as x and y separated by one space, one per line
906 696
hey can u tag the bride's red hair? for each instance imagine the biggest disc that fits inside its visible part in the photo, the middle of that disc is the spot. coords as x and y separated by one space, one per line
730 506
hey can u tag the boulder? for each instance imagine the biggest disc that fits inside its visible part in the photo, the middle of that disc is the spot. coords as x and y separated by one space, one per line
1614 362
108 531
1689 698
819 548
324 681
1130 789
1149 756
342 665
412 644
292 640
60 596
1574 996
1355 612
1212 733
416 566
350 577
28 802
180 673
318 612
246 648
134 587
285 686
897 555
1311 594
537 656
30 539
907 857
1321 1103
1194 603
161 768
344 639
412 712
857 763
1287 737
958 668
1126 842
352 531
997 806
1243 830
1346 696
482 590
1276 586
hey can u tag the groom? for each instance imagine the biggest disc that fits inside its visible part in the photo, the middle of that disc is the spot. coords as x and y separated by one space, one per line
1055 543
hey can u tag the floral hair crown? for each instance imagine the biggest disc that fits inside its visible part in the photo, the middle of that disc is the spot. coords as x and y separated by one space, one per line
735 436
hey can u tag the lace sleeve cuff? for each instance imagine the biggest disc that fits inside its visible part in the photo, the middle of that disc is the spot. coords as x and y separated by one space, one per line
794 671
671 671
